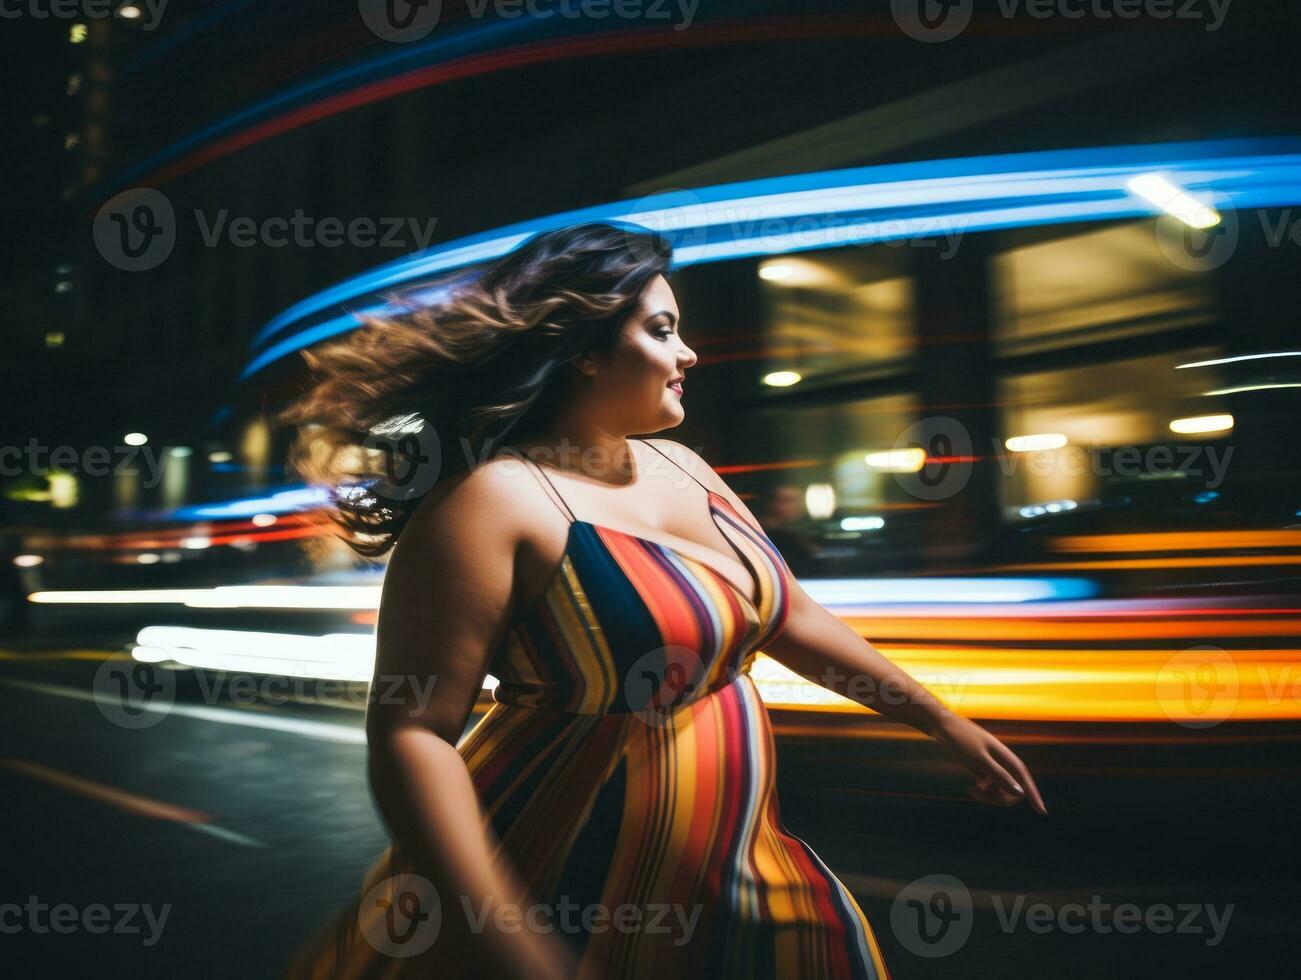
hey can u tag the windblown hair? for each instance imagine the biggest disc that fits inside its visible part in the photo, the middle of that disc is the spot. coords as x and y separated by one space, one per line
482 361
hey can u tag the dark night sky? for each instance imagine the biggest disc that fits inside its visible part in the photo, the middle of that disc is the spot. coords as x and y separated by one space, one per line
601 126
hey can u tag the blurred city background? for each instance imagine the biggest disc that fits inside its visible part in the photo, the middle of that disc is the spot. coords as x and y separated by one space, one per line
992 305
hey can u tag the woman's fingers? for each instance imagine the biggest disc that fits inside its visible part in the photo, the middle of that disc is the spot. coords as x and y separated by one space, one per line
1002 777
1013 761
988 791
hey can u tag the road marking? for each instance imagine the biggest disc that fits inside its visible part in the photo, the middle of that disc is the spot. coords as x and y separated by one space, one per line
140 806
56 655
324 730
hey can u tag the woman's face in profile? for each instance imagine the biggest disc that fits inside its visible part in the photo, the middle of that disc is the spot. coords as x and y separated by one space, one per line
648 355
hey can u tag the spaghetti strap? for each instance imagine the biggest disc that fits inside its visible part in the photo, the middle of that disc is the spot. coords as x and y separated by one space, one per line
671 460
561 497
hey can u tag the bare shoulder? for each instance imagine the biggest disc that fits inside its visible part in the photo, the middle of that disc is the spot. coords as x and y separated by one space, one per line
473 509
446 598
695 464
691 461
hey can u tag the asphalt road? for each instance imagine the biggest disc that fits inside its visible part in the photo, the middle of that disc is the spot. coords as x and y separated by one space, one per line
209 841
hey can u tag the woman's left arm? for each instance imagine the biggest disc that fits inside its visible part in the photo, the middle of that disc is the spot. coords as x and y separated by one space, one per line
822 648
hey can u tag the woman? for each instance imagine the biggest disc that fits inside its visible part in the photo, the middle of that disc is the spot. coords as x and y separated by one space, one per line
614 812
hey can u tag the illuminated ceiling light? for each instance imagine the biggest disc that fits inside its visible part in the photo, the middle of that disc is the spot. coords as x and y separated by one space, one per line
63 489
1202 423
28 561
1034 443
264 520
77 33
1053 507
1174 200
782 379
135 438
1239 357
794 271
776 271
54 338
129 12
180 451
898 460
220 456
196 543
820 500
148 558
862 523
63 286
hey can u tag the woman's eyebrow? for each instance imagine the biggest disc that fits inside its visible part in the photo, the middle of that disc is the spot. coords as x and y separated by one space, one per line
673 318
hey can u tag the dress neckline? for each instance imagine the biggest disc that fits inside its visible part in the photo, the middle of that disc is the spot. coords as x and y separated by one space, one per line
713 496
713 515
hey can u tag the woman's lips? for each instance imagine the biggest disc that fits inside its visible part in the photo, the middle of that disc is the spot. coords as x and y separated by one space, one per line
676 388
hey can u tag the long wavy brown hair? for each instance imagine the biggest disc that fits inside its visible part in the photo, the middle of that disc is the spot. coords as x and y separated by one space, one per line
440 384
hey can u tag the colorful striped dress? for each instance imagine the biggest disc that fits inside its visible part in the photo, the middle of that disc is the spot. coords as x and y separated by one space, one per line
626 770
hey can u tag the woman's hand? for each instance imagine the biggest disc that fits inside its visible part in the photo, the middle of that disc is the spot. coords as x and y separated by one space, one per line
1003 778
